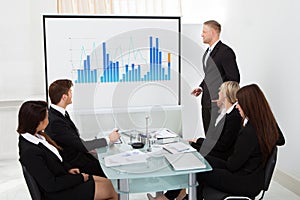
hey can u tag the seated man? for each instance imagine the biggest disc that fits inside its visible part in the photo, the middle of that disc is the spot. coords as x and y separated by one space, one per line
64 132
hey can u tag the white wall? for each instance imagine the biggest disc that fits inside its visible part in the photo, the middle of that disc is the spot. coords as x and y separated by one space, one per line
264 35
21 63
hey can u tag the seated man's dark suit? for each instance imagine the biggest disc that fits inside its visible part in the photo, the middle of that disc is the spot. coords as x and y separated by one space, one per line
64 132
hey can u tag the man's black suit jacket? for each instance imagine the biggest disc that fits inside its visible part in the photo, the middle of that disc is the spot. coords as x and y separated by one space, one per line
51 174
221 66
220 139
64 132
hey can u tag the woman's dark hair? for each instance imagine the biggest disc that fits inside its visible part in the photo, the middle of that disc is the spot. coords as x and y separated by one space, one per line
257 110
30 115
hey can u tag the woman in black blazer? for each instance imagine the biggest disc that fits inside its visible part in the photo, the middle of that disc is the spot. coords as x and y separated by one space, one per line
243 172
222 134
40 155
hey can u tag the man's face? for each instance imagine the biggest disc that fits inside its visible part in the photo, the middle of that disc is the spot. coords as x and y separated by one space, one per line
69 97
206 34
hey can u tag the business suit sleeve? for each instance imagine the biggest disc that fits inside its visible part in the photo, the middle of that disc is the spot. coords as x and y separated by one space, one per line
96 143
37 167
230 66
64 134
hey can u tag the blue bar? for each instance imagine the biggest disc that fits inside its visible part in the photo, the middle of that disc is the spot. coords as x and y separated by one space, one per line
88 62
169 71
101 79
151 56
162 73
132 72
104 54
126 73
92 76
156 59
117 72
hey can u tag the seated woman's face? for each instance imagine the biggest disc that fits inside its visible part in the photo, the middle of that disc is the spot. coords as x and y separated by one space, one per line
43 124
221 96
240 110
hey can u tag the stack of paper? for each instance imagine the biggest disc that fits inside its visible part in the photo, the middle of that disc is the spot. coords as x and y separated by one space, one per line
125 158
164 133
178 147
186 161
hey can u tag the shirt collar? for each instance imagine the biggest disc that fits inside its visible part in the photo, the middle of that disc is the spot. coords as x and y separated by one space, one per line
33 139
231 108
245 121
59 109
213 46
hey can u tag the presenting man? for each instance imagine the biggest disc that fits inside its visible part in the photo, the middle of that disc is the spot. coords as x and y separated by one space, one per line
219 65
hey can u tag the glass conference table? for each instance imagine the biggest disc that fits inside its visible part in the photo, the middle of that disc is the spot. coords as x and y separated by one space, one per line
154 175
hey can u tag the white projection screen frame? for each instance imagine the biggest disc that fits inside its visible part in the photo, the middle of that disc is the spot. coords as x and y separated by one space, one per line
114 61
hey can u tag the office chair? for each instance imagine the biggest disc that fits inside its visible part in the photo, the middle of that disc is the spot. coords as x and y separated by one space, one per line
210 193
33 188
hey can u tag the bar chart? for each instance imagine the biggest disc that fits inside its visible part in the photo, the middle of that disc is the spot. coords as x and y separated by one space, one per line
157 68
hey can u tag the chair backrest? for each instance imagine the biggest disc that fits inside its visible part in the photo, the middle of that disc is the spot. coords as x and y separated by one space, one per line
34 189
269 168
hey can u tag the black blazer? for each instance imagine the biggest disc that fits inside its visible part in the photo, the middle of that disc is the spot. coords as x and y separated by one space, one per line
219 141
64 132
51 174
221 66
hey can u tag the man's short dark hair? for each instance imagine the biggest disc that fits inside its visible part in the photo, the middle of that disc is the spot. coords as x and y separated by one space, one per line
214 24
58 88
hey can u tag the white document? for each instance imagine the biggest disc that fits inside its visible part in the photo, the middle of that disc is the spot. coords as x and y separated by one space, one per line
125 158
178 147
186 161
164 133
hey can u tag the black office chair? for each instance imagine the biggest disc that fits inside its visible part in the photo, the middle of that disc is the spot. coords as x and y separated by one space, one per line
33 188
210 193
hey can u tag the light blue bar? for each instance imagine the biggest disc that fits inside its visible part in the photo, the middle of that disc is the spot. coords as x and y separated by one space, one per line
82 76
110 72
107 68
135 75
123 77
154 64
101 79
162 73
139 73
95 76
78 76
92 76
104 76
126 73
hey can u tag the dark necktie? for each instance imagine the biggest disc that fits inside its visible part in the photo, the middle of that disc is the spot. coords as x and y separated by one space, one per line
67 115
